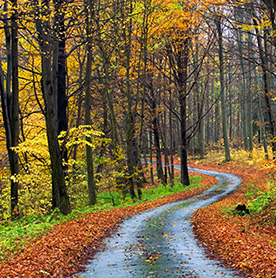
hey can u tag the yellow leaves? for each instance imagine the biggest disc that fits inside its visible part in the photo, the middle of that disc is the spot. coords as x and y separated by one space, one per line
13 178
82 135
37 146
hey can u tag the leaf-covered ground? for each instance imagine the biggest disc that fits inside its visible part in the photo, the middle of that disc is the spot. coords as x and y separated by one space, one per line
246 243
64 249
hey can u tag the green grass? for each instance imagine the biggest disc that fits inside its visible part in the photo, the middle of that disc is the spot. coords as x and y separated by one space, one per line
257 200
15 235
162 191
262 201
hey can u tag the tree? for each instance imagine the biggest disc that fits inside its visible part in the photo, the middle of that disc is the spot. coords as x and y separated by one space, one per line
48 45
222 85
179 54
89 8
264 66
10 100
60 29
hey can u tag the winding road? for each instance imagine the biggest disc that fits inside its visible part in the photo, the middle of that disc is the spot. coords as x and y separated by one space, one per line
160 242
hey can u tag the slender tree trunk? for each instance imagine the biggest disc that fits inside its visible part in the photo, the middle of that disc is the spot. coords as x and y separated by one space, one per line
165 145
271 117
14 163
130 115
230 100
10 100
79 105
200 135
250 97
171 141
208 116
156 135
89 152
261 118
216 119
182 62
192 119
244 93
145 148
151 160
222 85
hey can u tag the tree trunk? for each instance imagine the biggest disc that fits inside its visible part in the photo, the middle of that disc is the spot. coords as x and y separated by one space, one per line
10 100
62 119
222 85
244 93
89 152
151 160
164 140
60 198
130 115
182 62
271 117
250 96
156 135
171 141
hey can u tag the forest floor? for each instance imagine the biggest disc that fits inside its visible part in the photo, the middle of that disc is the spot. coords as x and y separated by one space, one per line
245 243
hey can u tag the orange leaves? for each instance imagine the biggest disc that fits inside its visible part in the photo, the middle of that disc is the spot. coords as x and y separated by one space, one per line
240 242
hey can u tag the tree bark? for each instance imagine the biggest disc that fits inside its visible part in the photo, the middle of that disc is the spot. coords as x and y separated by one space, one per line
182 63
89 152
10 101
171 140
62 119
222 85
269 108
60 198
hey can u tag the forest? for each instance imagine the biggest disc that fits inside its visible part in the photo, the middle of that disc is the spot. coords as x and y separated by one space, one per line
100 100
91 90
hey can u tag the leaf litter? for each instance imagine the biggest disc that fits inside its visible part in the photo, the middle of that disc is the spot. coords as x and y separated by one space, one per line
245 243
66 248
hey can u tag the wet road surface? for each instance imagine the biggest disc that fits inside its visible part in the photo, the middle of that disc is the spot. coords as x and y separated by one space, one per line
160 242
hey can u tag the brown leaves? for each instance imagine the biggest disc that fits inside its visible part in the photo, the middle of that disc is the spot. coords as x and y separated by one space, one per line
238 241
65 249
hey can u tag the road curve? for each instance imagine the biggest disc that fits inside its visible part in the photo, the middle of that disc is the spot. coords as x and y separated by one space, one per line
160 242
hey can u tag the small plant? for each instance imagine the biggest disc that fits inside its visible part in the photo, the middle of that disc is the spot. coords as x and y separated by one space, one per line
261 202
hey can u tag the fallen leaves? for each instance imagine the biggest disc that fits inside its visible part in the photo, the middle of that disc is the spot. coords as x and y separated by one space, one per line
65 249
239 241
